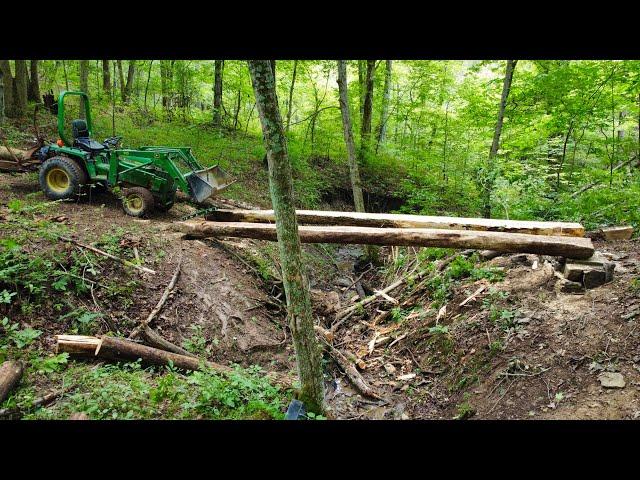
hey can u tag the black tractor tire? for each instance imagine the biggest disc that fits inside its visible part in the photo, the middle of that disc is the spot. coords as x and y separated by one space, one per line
62 178
137 201
166 207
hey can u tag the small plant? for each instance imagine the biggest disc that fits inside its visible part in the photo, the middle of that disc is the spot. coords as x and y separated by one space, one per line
314 416
21 338
439 330
197 343
6 296
83 321
465 410
50 364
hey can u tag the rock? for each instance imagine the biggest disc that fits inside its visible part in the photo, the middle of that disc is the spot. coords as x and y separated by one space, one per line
611 380
488 254
592 272
567 286
407 377
594 277
390 368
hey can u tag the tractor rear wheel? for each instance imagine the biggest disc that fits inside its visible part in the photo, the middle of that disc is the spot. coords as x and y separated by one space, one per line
137 201
61 178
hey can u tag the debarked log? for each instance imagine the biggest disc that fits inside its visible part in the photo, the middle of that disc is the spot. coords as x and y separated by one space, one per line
571 247
392 220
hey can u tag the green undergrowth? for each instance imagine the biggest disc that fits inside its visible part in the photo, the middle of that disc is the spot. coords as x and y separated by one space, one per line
128 391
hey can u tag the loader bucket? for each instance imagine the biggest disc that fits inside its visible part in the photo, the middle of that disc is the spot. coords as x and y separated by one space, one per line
207 182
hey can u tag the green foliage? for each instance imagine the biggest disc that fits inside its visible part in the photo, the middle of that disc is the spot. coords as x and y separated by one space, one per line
82 321
50 364
20 337
197 343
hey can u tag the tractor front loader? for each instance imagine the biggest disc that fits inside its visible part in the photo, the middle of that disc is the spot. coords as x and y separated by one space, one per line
148 177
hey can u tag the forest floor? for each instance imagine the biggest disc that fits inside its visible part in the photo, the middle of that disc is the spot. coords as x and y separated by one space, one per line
520 349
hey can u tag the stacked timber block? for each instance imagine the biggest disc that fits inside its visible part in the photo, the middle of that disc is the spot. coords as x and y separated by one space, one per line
583 267
591 272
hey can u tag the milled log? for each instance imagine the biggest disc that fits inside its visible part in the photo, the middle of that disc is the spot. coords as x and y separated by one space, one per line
120 349
391 220
572 247
10 374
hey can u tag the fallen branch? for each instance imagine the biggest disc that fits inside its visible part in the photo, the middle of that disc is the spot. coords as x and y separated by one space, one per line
108 255
10 374
118 349
167 291
151 337
38 402
350 370
598 182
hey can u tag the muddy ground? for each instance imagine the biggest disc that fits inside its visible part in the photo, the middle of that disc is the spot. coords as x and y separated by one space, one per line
546 365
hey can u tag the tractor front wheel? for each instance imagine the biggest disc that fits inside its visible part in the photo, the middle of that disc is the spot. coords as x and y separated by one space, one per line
61 178
137 201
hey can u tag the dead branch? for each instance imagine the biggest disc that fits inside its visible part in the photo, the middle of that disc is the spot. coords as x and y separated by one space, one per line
161 302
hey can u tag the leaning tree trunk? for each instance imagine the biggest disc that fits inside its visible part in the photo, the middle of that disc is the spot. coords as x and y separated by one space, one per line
488 183
356 185
20 87
289 104
295 283
129 85
123 94
217 93
33 93
384 115
367 110
106 76
84 85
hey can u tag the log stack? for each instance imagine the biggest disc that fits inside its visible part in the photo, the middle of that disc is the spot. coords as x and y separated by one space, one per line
498 236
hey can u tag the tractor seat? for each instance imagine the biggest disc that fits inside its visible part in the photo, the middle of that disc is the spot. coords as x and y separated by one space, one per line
81 138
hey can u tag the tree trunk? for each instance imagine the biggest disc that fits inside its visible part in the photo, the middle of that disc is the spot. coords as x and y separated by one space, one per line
295 283
114 348
84 84
34 83
106 76
165 83
236 114
356 185
570 247
1 97
10 374
66 76
506 87
367 111
384 115
322 217
20 87
146 87
289 104
217 93
123 95
5 67
128 89
361 86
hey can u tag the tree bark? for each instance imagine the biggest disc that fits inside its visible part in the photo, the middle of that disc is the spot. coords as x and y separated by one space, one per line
84 84
506 87
356 185
106 76
146 87
128 89
289 103
286 232
393 220
571 247
5 67
1 97
10 374
384 115
217 93
34 83
367 111
119 349
20 87
123 94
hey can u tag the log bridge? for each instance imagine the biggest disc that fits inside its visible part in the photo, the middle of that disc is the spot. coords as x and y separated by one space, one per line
505 236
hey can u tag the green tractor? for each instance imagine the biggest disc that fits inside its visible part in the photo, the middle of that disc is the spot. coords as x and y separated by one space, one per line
148 177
